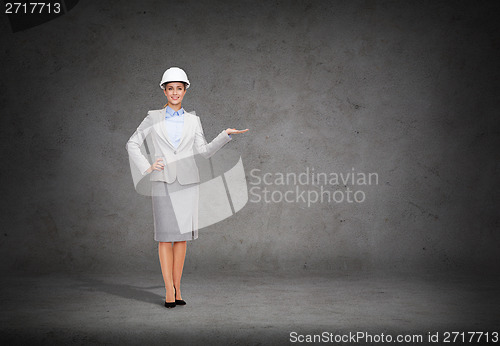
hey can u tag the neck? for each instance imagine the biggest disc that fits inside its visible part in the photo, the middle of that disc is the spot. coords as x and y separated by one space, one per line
175 107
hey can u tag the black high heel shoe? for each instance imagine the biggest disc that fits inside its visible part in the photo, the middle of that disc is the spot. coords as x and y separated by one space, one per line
178 301
170 304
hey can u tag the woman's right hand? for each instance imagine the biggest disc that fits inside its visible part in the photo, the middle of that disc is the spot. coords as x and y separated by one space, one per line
158 165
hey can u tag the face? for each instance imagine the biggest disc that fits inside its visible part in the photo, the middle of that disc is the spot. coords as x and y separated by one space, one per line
175 92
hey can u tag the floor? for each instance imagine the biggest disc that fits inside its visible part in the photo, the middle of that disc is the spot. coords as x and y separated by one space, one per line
244 308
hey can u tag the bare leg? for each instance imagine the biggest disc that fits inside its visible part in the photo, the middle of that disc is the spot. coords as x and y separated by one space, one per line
179 256
165 253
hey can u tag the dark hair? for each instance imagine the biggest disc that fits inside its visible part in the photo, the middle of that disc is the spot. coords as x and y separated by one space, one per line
173 81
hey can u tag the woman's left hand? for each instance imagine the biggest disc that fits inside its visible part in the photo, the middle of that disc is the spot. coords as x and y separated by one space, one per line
234 131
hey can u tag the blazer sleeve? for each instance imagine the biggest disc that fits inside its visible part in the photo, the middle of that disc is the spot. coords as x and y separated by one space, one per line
208 149
139 164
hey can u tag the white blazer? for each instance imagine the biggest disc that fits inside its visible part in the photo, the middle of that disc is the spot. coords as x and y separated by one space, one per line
179 162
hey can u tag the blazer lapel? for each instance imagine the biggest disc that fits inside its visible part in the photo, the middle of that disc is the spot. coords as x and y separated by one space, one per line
161 126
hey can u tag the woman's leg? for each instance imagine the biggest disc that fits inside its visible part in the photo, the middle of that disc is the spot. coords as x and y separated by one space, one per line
179 256
165 253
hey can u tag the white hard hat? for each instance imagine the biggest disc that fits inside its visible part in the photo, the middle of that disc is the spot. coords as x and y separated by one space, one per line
174 74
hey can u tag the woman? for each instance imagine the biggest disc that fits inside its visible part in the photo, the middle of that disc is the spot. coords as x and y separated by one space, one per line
174 176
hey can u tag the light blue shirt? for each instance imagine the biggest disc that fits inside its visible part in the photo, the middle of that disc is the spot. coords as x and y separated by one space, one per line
175 123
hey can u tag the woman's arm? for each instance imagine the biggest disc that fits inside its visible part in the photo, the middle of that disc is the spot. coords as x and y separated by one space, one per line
134 146
208 149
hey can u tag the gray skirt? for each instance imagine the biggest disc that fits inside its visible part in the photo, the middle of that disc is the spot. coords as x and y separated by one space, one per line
175 211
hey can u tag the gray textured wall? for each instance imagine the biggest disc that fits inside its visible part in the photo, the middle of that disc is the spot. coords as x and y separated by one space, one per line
408 90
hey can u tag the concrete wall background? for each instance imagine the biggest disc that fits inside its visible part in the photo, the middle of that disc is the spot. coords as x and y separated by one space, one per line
406 90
